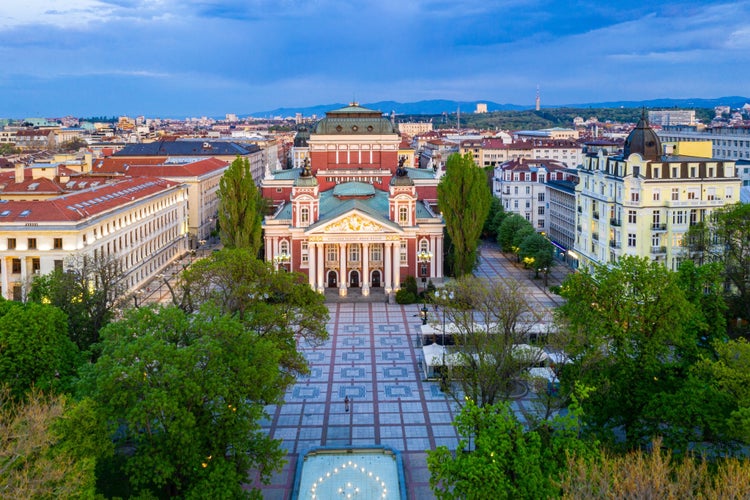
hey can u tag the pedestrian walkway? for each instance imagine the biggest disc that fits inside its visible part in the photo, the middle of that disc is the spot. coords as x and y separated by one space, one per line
372 360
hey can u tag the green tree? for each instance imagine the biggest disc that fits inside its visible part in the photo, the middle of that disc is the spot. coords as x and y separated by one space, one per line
73 144
538 252
279 306
8 149
725 238
34 348
184 395
511 225
494 219
39 455
503 461
464 200
630 342
241 208
89 293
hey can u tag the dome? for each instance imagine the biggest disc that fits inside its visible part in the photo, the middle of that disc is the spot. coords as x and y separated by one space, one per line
354 119
643 140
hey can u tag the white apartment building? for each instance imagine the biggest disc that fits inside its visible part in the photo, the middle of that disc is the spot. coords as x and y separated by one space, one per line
142 222
521 186
642 202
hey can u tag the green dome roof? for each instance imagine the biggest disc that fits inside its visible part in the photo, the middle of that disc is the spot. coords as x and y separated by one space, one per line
354 119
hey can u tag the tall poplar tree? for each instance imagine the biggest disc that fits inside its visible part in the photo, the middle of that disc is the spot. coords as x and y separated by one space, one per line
464 199
241 208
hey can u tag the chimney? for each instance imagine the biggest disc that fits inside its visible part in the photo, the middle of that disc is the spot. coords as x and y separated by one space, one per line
19 167
87 161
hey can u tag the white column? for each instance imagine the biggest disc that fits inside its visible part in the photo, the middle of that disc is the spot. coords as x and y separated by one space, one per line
433 251
268 249
342 269
311 274
365 269
6 276
439 257
396 266
321 268
388 268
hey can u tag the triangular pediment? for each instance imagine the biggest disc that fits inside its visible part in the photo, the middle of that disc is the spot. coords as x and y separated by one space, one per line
354 220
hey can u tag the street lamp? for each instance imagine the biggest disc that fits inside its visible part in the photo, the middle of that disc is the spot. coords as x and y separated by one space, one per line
281 260
444 296
202 243
423 314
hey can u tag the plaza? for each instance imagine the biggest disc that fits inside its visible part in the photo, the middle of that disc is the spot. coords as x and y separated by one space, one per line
365 385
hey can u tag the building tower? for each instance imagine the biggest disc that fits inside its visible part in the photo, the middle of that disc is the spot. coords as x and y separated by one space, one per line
538 99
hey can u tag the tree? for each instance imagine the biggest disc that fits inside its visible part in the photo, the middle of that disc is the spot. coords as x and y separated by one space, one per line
8 149
73 144
89 292
494 219
511 225
464 200
490 323
505 462
725 237
279 306
34 348
538 252
40 456
241 208
629 343
184 394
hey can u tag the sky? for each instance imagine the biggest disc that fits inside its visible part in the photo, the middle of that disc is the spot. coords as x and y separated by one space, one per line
184 58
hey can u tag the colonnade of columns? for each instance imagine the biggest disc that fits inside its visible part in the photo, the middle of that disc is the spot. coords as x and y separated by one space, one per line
389 266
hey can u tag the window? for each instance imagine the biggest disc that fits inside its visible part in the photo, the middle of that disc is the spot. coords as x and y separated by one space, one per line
515 204
540 210
675 194
528 204
678 217
376 253
16 266
675 170
655 241
631 239
692 194
404 257
540 223
35 265
632 217
11 243
424 245
304 216
693 172
354 252
57 244
403 214
31 243
58 263
528 189
657 217
656 195
656 173
540 197
515 190
635 196
305 252
332 253
284 247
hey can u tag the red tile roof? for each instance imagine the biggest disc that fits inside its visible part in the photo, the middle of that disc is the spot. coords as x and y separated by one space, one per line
157 167
82 205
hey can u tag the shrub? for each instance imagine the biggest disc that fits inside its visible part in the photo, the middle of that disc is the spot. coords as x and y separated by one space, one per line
404 296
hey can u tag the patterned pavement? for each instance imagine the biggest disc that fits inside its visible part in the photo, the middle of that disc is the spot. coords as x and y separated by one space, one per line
372 360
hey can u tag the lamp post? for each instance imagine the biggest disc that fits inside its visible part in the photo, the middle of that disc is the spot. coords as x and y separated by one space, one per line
281 260
444 296
202 244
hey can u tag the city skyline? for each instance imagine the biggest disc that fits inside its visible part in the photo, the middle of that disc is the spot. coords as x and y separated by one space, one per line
200 57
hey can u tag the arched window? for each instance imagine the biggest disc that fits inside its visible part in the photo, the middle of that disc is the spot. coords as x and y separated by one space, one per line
403 214
424 245
304 216
284 247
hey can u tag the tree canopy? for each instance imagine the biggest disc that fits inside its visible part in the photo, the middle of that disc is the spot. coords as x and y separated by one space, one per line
184 395
241 208
464 200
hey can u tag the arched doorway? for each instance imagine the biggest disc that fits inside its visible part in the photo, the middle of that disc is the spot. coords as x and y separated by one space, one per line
332 279
376 279
354 279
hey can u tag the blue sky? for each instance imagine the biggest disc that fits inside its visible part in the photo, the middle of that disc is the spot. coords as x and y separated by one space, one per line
182 58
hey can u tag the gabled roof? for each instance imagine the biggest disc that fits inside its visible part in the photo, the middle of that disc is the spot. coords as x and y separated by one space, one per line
187 148
148 167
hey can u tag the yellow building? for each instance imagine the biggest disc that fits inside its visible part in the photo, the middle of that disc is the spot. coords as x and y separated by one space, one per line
642 202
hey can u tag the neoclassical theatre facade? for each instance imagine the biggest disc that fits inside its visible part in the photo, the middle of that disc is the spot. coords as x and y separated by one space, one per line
355 218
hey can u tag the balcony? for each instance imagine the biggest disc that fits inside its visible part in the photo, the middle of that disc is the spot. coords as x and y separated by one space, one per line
658 227
658 250
615 222
614 244
596 215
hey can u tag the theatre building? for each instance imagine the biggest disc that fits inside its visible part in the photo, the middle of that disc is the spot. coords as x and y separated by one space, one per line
354 218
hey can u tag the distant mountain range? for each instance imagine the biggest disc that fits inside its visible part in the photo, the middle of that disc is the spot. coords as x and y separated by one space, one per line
440 106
